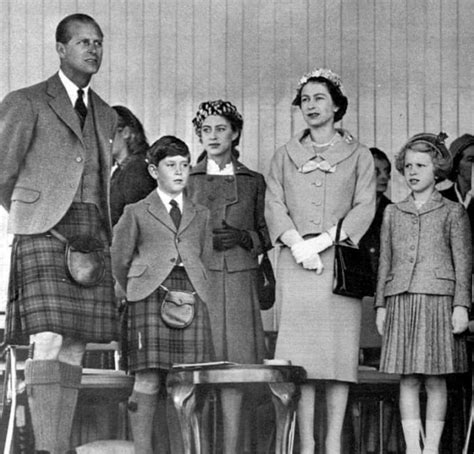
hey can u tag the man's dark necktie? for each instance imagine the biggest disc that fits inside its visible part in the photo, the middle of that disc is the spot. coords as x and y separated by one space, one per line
175 212
80 107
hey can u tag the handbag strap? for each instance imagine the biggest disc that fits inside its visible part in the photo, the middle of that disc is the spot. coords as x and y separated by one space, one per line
338 231
167 290
58 236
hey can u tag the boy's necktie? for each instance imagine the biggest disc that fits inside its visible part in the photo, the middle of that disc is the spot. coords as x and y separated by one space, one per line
175 212
80 107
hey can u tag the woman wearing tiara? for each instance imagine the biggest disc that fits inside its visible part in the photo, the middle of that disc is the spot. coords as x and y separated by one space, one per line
320 176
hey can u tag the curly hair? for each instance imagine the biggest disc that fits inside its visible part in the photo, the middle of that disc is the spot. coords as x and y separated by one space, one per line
433 145
338 98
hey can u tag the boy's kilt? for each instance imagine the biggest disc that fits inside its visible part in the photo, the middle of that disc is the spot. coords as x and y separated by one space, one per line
151 344
41 297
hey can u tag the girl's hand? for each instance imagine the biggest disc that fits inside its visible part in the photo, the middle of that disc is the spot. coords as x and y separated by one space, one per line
460 319
314 263
380 319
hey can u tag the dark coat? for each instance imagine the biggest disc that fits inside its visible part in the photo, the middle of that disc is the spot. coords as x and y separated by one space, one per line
370 242
241 206
450 194
130 183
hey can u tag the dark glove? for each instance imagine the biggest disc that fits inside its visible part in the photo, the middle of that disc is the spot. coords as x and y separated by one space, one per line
228 237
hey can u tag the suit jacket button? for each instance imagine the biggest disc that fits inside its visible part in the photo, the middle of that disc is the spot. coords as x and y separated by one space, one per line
411 260
78 159
412 248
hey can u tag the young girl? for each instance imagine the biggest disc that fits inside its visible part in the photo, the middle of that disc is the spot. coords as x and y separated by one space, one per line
424 289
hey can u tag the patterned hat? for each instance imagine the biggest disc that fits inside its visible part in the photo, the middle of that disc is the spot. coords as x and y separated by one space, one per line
223 108
424 142
435 142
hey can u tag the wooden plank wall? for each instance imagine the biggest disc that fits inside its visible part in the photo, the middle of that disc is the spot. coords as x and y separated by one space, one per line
407 65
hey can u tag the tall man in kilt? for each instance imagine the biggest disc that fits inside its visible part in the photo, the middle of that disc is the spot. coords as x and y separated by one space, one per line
55 150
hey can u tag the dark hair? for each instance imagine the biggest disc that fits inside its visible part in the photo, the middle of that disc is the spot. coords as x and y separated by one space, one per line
434 146
457 149
167 146
377 153
137 142
338 98
63 34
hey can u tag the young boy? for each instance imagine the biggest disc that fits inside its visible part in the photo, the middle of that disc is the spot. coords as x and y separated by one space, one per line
158 247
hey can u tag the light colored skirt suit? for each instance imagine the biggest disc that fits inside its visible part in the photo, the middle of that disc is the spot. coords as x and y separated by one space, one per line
317 329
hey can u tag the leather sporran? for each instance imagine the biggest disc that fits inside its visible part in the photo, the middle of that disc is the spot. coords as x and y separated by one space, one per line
352 270
178 308
84 259
266 284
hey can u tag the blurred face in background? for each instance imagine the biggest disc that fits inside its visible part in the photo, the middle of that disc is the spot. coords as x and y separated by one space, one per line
465 164
382 175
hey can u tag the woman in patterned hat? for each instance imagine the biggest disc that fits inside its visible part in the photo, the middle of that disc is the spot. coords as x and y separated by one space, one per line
320 176
235 195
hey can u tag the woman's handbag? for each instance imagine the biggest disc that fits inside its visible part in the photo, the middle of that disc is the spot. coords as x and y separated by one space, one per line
84 258
352 270
178 308
266 284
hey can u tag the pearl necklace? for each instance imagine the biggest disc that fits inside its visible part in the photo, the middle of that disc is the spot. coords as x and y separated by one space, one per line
327 144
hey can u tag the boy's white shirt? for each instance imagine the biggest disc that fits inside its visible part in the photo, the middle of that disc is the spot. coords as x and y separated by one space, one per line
166 199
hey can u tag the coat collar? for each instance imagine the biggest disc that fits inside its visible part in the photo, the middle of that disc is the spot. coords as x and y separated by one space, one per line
300 154
61 104
239 168
408 205
157 209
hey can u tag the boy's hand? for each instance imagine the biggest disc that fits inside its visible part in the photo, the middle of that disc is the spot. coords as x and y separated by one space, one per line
380 319
459 319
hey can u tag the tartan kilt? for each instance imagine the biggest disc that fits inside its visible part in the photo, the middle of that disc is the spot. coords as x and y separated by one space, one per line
41 296
153 345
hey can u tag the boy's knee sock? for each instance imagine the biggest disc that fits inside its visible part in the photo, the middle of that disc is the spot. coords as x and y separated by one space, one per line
42 378
141 409
70 384
434 430
412 431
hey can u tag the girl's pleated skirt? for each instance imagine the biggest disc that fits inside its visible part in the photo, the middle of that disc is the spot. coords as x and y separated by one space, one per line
418 337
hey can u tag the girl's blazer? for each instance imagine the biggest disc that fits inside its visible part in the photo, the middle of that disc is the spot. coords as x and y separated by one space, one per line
146 246
426 251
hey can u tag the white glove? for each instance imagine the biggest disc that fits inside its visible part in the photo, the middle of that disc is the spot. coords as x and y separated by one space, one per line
380 319
306 249
314 263
459 319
